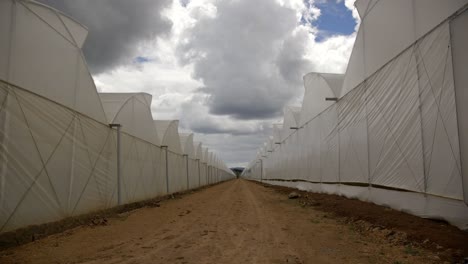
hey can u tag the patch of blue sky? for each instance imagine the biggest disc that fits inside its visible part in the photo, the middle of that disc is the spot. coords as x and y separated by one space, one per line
335 19
142 59
184 3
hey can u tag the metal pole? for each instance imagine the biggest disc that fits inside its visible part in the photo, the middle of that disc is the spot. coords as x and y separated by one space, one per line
198 165
167 169
187 170
119 185
119 191
261 170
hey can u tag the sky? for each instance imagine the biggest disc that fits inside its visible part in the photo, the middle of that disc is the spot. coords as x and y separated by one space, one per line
224 68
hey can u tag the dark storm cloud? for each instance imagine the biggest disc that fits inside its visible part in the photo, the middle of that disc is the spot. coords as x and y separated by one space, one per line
115 27
242 55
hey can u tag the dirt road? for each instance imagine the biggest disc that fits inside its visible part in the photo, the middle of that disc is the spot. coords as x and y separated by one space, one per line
234 222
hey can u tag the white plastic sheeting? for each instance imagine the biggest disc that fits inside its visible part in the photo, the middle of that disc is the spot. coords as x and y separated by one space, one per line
133 112
291 120
387 28
192 166
168 131
58 71
460 68
58 155
398 135
319 86
277 133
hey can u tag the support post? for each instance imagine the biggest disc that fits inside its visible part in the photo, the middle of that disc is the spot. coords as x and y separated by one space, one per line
261 170
187 170
198 165
119 190
167 169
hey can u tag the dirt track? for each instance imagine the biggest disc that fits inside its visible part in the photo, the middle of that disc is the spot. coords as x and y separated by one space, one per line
234 222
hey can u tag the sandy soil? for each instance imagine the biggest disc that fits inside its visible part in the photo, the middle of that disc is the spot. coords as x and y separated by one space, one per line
233 222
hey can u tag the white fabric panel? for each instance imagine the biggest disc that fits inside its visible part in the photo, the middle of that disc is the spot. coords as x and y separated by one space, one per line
174 180
101 150
159 165
329 145
302 154
168 131
385 36
64 165
198 150
277 133
291 119
312 146
356 69
56 59
362 6
395 146
440 134
78 32
43 60
353 137
132 112
203 173
205 155
193 174
186 141
389 27
270 144
318 87
51 18
460 68
430 13
87 100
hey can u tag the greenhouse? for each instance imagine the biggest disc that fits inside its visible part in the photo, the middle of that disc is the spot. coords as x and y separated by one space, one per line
392 130
65 149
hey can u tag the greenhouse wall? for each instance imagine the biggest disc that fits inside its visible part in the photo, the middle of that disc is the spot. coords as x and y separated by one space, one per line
396 139
58 163
59 157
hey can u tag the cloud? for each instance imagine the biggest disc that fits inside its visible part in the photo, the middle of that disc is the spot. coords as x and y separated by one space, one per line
235 55
251 57
117 28
227 68
195 117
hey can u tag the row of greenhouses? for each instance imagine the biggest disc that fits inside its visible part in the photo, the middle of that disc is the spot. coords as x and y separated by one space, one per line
66 149
392 130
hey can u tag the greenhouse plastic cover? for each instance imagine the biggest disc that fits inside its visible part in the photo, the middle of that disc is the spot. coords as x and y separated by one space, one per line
398 134
319 86
169 133
58 155
291 120
186 142
26 27
133 112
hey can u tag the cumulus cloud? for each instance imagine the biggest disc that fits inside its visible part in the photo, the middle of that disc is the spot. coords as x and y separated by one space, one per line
235 54
227 68
251 57
195 117
116 27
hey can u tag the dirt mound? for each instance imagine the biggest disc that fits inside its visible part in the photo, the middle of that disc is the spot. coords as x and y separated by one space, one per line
397 226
